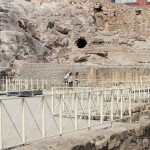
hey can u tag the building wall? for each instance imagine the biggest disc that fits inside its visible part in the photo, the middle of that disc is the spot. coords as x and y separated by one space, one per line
139 3
124 20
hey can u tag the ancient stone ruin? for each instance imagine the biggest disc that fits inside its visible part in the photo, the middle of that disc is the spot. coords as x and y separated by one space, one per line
102 41
71 31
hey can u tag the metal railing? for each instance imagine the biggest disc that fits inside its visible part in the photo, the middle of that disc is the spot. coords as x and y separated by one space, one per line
124 1
140 91
29 119
18 84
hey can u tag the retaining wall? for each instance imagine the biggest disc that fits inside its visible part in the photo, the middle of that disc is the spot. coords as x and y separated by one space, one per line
94 73
120 73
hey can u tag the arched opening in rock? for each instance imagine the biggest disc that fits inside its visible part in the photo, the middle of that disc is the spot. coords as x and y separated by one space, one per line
138 12
97 8
81 43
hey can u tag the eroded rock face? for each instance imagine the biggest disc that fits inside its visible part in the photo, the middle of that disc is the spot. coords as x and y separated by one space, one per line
49 30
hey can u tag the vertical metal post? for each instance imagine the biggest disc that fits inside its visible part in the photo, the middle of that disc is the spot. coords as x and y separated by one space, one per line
144 92
23 121
52 100
31 83
46 82
43 117
101 106
6 85
76 112
103 90
63 96
14 84
82 102
42 84
121 104
37 84
9 83
97 97
1 145
134 91
117 96
3 83
139 92
25 83
60 115
130 104
21 84
112 106
16 81
148 93
89 110
73 101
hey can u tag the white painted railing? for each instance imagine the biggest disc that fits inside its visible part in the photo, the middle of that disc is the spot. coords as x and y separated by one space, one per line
140 89
28 119
125 1
21 83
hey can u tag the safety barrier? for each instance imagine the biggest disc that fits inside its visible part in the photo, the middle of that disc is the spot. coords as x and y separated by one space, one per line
140 92
29 119
140 89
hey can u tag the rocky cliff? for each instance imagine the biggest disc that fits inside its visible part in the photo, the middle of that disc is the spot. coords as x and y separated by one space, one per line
72 31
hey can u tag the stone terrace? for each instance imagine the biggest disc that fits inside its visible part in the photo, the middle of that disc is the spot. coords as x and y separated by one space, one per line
53 71
91 72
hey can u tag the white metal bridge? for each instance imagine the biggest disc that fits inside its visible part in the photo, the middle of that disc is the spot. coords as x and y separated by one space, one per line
62 109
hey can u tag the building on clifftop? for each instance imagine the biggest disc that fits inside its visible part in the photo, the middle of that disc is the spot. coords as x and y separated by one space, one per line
138 3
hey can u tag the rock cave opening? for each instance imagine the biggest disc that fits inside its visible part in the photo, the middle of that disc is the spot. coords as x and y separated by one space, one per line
138 12
81 43
98 8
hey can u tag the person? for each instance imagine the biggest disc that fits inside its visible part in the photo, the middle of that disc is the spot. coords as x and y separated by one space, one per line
77 78
66 77
70 80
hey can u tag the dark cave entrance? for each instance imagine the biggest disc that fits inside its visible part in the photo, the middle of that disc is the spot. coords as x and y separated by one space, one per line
81 43
138 12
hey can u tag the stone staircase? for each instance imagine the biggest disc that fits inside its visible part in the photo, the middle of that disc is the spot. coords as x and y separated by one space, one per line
52 71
